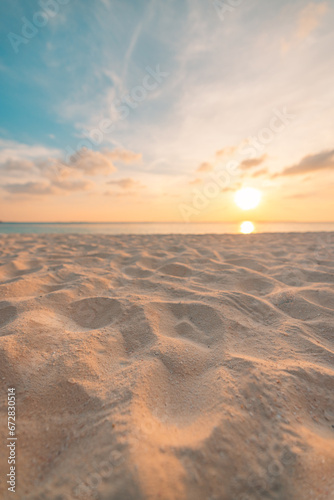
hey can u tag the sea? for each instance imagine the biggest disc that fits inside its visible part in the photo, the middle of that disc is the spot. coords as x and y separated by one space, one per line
118 228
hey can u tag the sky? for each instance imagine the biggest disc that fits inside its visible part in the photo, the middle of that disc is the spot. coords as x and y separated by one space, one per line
153 110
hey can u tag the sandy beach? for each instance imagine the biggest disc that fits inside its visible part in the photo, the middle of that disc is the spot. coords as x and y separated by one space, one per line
169 367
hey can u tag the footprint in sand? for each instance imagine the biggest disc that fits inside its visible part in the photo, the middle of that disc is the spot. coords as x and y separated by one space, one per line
95 312
137 272
21 267
177 270
8 313
299 308
199 323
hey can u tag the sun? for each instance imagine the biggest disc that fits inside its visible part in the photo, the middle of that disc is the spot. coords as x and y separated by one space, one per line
247 198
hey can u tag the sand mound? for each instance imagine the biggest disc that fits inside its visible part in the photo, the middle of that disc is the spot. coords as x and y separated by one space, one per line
200 369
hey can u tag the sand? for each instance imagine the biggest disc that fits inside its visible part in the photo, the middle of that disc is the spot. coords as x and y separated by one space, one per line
169 367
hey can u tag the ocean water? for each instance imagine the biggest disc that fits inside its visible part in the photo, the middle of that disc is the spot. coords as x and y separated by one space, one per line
162 228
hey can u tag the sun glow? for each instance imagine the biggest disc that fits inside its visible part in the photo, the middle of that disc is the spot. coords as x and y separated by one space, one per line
247 198
246 227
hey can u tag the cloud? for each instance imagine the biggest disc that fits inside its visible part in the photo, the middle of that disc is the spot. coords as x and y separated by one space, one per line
230 150
209 167
262 171
205 167
50 175
74 185
47 188
252 162
55 170
18 165
119 194
89 162
93 162
40 188
301 195
12 150
21 157
96 162
311 163
124 156
195 182
308 20
126 184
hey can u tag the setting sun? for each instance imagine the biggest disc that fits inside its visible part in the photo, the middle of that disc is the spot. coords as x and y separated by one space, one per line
247 198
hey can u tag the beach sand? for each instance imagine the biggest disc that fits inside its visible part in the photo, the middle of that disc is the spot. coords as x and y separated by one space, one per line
175 367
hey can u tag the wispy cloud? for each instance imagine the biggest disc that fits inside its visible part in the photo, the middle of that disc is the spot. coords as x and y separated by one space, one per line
13 150
205 167
32 188
252 162
18 166
311 163
46 188
258 173
227 151
301 196
309 18
127 183
196 182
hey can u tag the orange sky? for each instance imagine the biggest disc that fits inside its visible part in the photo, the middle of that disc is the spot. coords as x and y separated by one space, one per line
190 105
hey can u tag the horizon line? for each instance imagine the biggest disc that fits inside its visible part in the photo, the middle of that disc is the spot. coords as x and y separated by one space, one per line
168 222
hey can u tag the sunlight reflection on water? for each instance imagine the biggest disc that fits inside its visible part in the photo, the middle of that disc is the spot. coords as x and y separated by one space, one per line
247 227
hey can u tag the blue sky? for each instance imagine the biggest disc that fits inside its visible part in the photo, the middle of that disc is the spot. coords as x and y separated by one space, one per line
226 71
